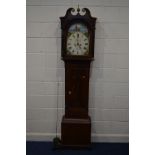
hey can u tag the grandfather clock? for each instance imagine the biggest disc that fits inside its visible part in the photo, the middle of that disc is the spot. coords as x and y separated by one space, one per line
77 51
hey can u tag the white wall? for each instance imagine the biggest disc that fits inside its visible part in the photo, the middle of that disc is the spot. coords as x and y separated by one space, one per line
108 98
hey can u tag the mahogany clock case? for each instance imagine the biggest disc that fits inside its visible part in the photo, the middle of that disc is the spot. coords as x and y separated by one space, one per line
76 123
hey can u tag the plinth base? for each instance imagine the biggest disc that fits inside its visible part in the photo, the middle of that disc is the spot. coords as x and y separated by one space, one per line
76 133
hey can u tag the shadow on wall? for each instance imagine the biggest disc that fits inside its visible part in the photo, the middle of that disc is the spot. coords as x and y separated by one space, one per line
95 90
60 81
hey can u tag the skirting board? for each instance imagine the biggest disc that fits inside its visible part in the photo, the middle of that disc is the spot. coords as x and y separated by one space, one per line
121 138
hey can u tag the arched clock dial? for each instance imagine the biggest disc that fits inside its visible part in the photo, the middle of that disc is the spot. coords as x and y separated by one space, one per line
78 40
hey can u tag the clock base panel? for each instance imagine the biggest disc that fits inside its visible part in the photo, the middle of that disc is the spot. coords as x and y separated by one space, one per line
76 133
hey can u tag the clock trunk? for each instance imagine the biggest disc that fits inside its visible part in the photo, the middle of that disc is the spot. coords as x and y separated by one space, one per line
76 89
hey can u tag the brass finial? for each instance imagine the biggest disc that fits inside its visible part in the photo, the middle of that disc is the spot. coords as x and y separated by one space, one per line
78 9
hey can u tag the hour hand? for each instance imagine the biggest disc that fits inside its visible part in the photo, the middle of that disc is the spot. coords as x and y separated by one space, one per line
80 46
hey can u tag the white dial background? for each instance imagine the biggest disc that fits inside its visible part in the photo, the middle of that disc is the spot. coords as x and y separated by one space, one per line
77 44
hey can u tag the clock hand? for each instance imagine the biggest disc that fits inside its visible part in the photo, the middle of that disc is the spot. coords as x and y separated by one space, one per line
77 35
76 46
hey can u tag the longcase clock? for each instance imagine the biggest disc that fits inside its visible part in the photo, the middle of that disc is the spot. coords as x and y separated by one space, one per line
78 33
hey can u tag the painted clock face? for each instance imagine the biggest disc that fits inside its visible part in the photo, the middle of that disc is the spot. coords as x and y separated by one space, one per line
78 40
